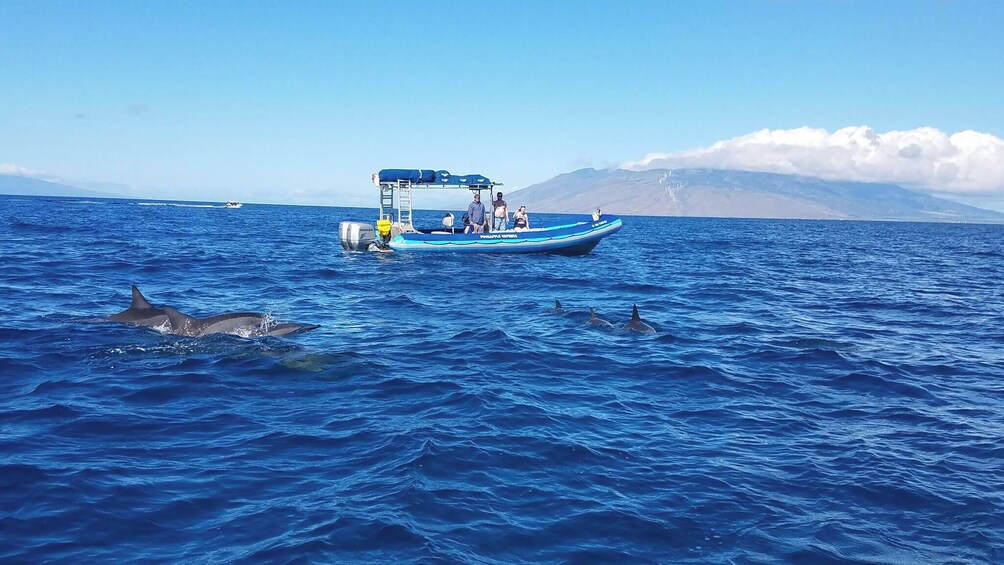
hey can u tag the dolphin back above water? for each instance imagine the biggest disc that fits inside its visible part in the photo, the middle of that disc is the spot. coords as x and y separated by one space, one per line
637 324
140 312
245 324
595 320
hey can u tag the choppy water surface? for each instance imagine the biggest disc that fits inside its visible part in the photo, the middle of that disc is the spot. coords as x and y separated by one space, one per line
817 392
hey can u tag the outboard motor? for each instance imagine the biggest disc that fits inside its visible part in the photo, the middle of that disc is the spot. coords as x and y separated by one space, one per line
356 236
448 221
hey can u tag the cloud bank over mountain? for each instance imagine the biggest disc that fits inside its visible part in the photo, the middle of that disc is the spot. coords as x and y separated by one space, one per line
967 162
9 169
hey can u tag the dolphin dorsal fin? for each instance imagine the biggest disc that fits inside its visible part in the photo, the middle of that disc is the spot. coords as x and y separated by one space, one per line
634 314
592 313
182 323
557 305
138 301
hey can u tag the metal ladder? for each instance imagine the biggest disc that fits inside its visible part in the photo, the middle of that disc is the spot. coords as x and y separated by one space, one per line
386 202
404 206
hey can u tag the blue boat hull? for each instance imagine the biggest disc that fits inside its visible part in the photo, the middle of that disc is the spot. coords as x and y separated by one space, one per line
568 239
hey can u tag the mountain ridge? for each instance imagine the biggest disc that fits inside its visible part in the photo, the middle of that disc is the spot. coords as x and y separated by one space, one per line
737 194
27 186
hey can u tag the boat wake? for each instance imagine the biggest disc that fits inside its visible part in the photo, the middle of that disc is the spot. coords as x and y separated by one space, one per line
174 204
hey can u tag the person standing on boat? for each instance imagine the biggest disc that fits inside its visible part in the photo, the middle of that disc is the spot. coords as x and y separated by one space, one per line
500 214
476 212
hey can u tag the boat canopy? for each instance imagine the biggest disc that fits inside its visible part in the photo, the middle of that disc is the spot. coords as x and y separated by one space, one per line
431 177
403 181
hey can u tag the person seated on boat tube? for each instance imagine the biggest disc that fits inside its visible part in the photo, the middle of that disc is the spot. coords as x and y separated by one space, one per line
500 214
520 220
476 212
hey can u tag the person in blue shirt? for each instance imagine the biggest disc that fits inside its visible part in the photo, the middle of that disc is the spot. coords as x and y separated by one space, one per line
476 212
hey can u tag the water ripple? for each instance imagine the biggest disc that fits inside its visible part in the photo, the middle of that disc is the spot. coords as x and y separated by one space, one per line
817 392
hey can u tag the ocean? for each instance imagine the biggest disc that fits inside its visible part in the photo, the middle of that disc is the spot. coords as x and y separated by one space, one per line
816 392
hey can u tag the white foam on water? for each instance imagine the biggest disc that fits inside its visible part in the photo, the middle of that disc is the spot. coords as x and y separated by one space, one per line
179 205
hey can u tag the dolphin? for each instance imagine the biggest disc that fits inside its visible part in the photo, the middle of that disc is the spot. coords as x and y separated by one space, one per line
557 307
637 324
246 324
140 312
594 320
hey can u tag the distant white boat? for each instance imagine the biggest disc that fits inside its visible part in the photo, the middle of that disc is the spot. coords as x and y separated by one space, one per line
232 204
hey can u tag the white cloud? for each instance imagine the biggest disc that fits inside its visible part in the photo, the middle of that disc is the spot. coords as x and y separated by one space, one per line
17 170
967 162
8 169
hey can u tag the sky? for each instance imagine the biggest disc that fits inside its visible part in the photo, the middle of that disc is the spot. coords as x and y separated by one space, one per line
299 102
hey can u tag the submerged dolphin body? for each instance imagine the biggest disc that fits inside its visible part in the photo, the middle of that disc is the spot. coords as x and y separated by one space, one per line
595 320
140 313
637 324
246 324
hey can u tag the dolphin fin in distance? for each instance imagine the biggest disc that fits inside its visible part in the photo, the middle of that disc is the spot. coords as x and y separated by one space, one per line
557 307
637 324
595 320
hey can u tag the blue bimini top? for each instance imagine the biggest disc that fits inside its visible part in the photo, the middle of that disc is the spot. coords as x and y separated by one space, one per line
428 176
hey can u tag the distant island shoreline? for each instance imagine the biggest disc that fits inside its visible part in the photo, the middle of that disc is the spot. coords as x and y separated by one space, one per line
694 193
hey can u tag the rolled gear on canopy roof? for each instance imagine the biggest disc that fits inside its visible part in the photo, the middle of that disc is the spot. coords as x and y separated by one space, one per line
428 176
412 175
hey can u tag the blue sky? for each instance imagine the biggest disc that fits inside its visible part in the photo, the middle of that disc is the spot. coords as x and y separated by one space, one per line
299 102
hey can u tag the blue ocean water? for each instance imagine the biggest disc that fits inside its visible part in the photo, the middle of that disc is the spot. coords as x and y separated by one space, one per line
817 392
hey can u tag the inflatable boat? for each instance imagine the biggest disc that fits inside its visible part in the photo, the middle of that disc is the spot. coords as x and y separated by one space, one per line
396 232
